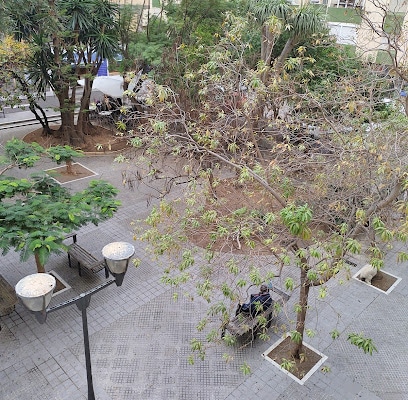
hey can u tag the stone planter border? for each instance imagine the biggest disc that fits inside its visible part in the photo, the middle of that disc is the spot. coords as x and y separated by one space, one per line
390 289
286 372
92 173
56 276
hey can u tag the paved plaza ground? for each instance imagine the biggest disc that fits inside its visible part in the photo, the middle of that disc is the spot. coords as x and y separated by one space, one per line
140 338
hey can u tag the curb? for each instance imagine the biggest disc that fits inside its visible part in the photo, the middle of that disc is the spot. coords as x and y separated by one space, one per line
26 122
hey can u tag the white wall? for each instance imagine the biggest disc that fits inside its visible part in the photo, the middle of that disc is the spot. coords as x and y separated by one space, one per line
345 33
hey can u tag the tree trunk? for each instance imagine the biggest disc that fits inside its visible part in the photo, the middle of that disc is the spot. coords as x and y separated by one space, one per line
69 167
83 122
289 45
268 43
263 42
33 105
296 348
68 129
40 267
44 120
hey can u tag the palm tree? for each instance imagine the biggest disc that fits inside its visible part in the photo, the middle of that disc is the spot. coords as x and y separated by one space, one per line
272 15
276 15
92 38
97 40
303 22
69 38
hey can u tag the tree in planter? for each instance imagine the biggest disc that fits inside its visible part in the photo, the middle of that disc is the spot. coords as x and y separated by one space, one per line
69 39
309 200
36 213
64 154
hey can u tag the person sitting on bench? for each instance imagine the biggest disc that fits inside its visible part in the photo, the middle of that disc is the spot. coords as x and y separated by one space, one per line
258 302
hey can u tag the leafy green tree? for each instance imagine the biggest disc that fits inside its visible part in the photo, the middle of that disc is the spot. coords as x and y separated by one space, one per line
20 154
192 21
37 213
148 48
191 26
64 154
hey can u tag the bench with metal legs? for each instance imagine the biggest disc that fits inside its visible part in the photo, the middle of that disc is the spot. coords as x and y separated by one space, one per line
84 258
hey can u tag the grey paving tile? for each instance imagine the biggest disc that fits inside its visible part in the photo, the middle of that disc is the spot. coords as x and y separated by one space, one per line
139 337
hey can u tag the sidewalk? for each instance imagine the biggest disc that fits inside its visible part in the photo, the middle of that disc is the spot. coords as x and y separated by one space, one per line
140 339
22 116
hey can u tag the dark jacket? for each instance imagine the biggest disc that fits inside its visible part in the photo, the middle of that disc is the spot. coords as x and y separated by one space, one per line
264 299
261 298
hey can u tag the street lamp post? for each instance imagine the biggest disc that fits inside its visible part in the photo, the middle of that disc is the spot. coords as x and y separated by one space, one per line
35 292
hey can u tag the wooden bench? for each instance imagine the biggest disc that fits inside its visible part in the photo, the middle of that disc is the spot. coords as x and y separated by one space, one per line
244 322
8 297
84 258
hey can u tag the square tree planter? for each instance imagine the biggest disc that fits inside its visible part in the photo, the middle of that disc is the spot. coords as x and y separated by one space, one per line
60 174
383 281
302 370
61 286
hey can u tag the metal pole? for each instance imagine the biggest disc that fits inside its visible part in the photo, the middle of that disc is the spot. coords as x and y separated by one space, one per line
83 303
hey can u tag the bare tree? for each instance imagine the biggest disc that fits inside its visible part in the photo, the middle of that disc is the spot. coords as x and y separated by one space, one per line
306 186
383 37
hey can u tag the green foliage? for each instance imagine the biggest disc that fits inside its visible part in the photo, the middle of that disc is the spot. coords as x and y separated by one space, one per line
287 365
310 333
204 289
334 334
229 340
148 46
245 369
353 246
381 230
366 344
63 153
10 187
289 283
197 21
22 154
37 213
198 347
325 369
402 257
296 337
296 219
322 292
